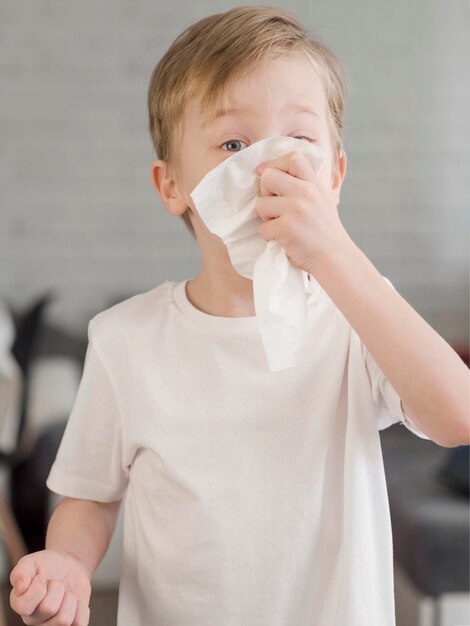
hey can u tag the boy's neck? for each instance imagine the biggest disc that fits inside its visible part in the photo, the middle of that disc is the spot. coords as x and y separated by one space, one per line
222 295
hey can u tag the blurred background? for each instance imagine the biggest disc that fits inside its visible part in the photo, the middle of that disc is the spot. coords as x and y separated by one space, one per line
81 227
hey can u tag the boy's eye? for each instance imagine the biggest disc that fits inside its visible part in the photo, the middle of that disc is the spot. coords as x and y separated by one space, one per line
232 141
307 138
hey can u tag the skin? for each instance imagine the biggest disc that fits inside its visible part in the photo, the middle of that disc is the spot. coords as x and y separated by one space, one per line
262 98
299 210
53 586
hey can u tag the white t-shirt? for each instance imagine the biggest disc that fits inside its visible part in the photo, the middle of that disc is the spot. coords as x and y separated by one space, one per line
254 498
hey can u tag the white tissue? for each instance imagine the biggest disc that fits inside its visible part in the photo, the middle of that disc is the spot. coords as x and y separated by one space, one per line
225 200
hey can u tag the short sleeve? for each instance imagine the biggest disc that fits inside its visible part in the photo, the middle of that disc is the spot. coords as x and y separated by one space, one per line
89 462
387 398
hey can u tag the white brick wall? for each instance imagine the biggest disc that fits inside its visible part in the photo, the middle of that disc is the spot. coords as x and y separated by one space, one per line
79 214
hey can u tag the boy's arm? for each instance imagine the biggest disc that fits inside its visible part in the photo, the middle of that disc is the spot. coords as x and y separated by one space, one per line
56 582
83 529
429 376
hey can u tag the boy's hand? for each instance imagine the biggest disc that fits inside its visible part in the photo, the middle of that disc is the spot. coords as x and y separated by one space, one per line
50 585
298 210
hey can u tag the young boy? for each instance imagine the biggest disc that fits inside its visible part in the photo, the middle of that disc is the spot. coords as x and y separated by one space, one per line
252 497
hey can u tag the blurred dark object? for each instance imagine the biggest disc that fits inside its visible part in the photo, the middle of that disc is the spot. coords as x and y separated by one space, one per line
28 325
429 517
464 352
454 473
30 467
28 486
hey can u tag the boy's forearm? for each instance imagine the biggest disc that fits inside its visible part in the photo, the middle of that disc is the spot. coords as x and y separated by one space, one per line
82 528
428 375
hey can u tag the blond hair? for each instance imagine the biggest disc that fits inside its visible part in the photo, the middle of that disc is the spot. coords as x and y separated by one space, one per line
219 48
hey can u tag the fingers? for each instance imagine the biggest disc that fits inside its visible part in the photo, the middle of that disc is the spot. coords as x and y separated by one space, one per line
58 608
294 163
277 182
23 573
27 602
282 176
272 207
39 601
49 605
82 617
66 613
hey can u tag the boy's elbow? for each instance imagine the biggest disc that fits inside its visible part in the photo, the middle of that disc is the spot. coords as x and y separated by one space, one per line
461 437
464 439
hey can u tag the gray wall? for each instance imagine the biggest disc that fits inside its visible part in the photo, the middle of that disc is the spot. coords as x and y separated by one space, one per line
77 208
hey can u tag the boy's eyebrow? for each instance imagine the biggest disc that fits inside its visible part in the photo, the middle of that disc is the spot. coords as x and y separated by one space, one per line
297 108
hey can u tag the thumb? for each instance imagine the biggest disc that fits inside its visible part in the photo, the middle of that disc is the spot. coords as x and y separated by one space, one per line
22 574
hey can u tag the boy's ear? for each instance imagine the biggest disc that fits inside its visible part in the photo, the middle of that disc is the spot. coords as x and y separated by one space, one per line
167 188
338 176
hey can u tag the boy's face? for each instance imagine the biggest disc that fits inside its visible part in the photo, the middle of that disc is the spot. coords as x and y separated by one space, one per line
273 100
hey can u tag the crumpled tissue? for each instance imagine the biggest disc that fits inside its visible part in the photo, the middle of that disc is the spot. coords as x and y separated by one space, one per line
225 200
